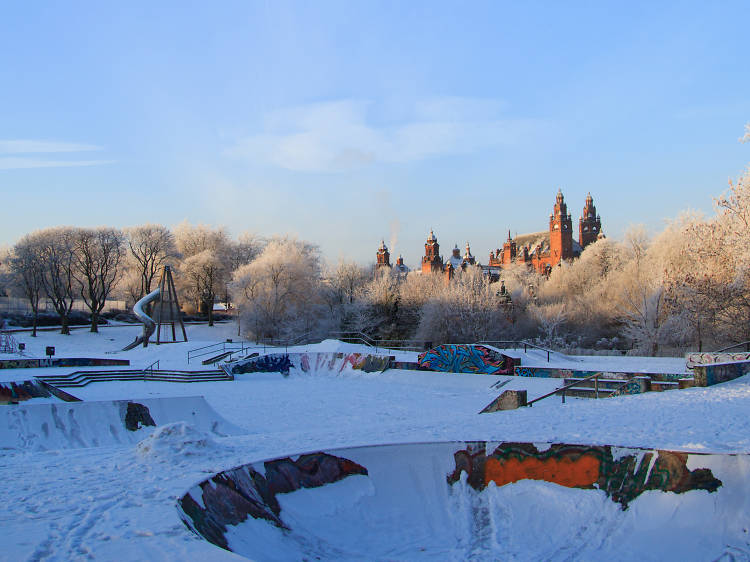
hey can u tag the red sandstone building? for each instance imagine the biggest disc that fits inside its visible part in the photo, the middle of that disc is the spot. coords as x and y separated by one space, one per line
383 259
544 250
540 250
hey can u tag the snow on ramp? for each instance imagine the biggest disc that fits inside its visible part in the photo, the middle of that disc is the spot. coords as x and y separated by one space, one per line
478 501
311 363
103 423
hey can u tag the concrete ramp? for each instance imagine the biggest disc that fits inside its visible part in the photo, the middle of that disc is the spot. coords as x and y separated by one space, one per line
104 423
466 358
14 392
328 363
478 501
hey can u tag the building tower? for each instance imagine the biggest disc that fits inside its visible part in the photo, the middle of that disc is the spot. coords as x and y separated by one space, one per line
509 250
590 224
560 232
468 258
432 261
383 257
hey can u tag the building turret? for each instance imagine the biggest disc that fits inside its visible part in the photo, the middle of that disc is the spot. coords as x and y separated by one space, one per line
432 261
468 258
560 231
590 224
509 250
383 257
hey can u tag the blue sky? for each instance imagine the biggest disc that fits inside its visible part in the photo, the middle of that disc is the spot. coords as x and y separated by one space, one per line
348 122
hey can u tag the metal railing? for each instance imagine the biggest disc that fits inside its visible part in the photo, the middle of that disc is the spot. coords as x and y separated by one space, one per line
360 337
562 389
517 344
745 343
234 347
150 369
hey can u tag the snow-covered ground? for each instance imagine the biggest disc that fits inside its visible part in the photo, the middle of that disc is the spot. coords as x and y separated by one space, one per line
118 503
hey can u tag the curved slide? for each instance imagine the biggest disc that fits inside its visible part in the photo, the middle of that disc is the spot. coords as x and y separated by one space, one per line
148 323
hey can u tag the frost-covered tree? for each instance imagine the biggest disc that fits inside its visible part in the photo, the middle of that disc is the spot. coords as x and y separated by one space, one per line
340 288
279 291
550 317
379 302
468 309
205 268
204 273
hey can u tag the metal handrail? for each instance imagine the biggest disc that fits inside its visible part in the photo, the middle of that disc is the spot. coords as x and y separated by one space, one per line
526 345
408 345
562 389
150 368
595 376
745 343
206 349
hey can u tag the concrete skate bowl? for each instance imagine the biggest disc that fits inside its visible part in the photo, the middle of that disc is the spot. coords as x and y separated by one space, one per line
75 425
478 501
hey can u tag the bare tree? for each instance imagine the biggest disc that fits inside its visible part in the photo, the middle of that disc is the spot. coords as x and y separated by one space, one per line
27 270
151 247
98 253
244 250
56 250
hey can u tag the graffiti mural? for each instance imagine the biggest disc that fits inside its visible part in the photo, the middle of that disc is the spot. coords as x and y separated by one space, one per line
14 392
405 365
24 363
460 358
708 375
693 359
61 362
88 362
622 476
232 496
333 363
550 373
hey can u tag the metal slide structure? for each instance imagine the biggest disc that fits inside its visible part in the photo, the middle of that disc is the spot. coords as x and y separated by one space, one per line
148 323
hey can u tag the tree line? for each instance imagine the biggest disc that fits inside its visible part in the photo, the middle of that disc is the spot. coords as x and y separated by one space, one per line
686 287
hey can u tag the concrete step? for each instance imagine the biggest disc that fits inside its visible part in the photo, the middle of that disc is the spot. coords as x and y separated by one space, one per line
587 392
83 378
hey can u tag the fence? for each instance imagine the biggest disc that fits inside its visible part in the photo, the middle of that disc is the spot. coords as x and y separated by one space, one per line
17 305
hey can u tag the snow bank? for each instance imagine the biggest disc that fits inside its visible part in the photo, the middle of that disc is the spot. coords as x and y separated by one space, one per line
174 441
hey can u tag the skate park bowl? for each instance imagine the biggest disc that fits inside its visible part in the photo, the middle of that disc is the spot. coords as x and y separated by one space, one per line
478 501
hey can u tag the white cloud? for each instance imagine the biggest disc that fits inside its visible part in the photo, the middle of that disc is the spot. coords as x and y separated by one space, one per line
19 163
25 146
336 136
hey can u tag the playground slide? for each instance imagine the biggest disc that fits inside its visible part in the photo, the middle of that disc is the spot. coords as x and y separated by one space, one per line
148 323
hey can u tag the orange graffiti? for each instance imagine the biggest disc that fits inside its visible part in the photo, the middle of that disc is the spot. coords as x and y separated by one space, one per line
582 472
